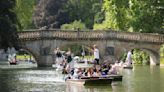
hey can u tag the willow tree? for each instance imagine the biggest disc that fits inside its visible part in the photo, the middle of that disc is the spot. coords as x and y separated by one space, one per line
116 12
24 10
133 15
146 15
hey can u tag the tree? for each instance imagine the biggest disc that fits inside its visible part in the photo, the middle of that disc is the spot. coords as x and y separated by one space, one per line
84 10
54 13
133 15
115 15
8 24
146 16
50 14
140 57
24 10
74 26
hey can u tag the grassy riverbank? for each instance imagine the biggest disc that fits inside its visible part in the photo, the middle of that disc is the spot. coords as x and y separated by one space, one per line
162 60
23 57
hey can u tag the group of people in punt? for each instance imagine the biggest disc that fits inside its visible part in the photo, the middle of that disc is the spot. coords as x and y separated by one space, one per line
64 59
94 71
97 70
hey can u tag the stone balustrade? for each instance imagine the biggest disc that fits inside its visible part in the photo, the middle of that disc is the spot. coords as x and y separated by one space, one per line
90 35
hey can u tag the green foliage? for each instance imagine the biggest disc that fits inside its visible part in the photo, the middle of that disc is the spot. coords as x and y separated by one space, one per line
162 54
162 60
162 51
140 57
115 14
54 13
24 10
99 14
50 14
74 25
8 24
100 27
146 15
133 15
22 57
84 10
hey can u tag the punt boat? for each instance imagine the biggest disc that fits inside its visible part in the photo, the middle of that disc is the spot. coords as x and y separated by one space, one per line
91 81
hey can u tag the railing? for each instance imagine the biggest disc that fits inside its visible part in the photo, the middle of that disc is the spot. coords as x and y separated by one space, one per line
91 35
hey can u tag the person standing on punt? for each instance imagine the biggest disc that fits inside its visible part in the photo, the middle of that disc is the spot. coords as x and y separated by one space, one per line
96 54
59 58
70 63
129 58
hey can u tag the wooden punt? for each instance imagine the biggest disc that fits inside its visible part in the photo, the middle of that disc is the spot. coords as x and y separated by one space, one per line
90 81
115 77
13 63
128 67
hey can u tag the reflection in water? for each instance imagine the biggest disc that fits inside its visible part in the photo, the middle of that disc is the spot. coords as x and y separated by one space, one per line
32 79
80 88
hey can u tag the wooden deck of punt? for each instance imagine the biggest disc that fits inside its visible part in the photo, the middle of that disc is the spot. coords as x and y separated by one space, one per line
91 81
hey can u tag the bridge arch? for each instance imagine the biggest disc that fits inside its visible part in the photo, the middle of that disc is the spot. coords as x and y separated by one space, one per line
77 48
30 51
154 56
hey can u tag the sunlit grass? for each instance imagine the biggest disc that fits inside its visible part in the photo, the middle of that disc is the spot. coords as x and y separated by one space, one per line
162 60
162 54
88 57
162 57
21 57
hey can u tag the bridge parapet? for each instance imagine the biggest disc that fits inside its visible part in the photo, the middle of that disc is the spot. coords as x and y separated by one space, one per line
29 35
91 35
131 36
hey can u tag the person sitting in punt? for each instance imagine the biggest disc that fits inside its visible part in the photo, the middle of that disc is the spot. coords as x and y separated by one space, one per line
97 72
77 73
84 72
113 69
90 72
105 70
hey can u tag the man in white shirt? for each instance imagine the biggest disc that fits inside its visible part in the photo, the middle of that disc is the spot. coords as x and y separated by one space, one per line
129 58
96 54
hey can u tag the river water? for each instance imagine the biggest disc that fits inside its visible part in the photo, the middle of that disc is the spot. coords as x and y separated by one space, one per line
29 78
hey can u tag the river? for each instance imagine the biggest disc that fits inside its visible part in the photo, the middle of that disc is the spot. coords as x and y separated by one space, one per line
29 78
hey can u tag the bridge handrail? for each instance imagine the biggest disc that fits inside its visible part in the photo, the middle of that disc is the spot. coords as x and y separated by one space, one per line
70 34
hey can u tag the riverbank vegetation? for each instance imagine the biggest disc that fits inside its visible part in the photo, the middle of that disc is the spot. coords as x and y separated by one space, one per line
162 54
24 10
8 24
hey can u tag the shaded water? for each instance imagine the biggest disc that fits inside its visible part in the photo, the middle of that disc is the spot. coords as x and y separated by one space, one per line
32 79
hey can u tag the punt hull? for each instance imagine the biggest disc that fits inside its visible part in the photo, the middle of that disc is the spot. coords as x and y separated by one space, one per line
90 82
128 67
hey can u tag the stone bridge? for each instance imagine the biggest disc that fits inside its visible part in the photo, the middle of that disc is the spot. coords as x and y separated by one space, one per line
112 44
